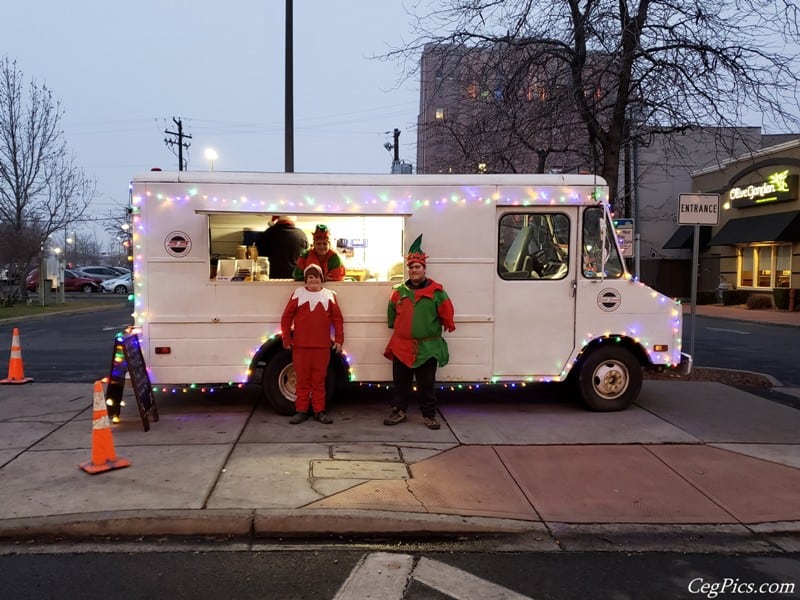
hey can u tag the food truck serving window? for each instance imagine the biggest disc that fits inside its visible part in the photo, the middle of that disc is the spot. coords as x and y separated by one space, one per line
533 246
370 246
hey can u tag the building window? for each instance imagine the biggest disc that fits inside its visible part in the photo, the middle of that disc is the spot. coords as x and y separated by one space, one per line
765 266
783 266
440 113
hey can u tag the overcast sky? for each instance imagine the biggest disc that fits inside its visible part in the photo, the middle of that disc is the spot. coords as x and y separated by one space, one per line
123 70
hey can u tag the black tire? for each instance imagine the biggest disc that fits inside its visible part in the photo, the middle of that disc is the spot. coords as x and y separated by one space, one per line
609 379
87 288
121 289
279 380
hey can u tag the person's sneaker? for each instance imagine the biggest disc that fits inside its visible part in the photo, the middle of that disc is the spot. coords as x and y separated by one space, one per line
323 418
298 418
431 422
395 417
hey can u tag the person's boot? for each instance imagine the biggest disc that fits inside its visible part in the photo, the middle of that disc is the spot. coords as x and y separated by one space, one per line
323 418
298 418
395 417
431 422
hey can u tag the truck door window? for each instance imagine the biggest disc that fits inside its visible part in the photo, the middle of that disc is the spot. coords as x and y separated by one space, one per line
533 246
599 252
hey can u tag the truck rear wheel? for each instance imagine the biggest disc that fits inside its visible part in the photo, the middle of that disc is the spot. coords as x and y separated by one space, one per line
609 379
279 382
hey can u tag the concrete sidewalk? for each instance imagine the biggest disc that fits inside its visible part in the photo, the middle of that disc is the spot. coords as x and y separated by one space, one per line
690 462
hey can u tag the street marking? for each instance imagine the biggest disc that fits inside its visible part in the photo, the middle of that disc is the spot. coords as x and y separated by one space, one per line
385 576
740 332
380 575
459 584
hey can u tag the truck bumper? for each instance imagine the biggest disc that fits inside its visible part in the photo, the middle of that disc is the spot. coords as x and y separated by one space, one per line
685 366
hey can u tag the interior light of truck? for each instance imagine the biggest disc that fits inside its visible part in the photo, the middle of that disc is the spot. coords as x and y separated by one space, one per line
660 348
163 350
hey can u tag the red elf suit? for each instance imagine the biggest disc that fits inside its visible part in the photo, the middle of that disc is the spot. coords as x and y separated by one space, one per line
313 315
330 262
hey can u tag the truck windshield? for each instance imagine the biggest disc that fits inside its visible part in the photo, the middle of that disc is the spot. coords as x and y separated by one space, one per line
600 256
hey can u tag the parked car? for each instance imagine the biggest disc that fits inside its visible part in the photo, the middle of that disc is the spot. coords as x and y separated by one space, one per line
9 274
97 272
73 282
122 271
119 285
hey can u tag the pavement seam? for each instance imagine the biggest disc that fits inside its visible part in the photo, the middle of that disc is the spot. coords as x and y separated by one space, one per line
646 447
544 523
231 449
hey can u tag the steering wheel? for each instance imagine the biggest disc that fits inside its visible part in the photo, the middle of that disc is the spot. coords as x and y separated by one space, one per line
540 261
546 262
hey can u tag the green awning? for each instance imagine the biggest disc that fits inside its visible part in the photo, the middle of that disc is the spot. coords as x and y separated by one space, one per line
777 227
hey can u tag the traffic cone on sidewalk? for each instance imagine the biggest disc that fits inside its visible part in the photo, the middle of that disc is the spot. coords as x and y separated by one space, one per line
16 373
103 456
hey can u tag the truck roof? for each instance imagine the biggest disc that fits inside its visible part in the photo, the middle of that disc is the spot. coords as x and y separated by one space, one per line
367 179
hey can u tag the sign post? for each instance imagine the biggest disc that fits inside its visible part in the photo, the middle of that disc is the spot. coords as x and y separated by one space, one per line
697 209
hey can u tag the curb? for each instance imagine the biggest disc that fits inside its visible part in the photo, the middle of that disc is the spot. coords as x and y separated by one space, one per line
269 524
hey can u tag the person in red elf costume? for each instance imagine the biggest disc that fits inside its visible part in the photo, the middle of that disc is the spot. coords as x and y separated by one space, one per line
321 254
306 323
418 310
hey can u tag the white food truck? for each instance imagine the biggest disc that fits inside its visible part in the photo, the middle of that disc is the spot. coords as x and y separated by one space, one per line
531 264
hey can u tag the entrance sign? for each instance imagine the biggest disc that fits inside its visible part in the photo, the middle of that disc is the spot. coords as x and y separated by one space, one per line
698 209
128 358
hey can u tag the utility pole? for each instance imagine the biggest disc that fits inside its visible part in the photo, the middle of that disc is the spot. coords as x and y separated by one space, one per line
178 142
289 90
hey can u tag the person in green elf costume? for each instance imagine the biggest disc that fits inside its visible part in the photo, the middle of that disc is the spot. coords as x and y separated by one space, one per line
418 310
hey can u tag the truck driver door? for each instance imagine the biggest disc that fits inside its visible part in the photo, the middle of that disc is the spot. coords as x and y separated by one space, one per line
534 292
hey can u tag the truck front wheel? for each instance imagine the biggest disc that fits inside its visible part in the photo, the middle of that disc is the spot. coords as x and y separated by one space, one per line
279 382
609 379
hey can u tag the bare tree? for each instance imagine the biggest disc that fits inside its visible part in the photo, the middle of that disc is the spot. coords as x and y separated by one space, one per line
639 65
41 189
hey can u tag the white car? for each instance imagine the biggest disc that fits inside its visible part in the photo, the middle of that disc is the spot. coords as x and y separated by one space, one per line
118 285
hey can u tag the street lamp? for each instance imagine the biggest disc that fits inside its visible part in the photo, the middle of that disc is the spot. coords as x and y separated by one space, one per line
211 156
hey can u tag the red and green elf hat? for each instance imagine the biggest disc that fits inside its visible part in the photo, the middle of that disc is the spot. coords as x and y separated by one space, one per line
415 253
321 234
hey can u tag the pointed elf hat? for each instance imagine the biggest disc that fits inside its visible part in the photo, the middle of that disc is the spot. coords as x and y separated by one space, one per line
321 233
415 253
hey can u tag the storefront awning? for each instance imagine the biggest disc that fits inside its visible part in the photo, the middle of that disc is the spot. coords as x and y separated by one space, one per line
683 238
777 227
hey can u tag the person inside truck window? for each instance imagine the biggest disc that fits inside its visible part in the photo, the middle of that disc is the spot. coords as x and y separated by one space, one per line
282 243
321 254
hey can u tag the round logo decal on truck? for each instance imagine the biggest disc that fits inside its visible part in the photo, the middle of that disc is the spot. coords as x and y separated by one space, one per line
609 299
178 243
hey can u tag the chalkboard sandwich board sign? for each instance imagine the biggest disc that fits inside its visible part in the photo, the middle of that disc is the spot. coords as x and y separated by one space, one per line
127 358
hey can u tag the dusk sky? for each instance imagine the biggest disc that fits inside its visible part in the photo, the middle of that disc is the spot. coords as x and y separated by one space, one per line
123 71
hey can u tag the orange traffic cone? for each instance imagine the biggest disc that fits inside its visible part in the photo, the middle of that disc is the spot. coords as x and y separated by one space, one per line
103 456
16 373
